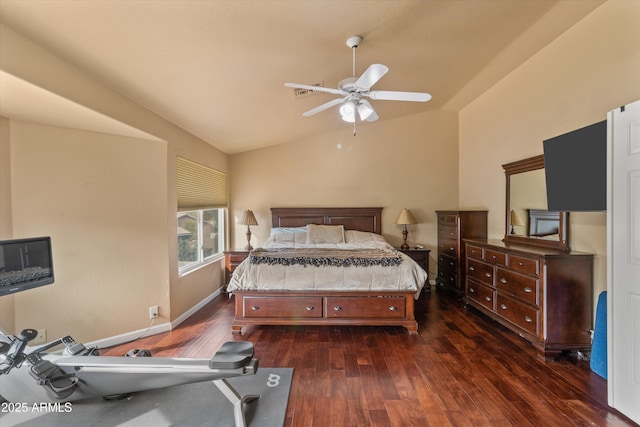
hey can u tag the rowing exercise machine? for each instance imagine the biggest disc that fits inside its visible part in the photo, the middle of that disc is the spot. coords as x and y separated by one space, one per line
80 373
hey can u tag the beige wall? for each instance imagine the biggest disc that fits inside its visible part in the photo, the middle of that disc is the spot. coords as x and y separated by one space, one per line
591 69
102 200
113 295
409 162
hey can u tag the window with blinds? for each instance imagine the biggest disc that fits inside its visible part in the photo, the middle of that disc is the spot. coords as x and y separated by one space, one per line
199 186
202 201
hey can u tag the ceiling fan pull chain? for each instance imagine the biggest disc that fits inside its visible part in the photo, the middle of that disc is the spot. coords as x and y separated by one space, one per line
354 128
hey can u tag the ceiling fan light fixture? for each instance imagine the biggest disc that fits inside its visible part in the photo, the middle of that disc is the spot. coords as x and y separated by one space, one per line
348 112
364 111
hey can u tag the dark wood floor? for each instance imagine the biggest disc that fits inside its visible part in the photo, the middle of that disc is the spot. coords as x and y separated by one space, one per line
462 369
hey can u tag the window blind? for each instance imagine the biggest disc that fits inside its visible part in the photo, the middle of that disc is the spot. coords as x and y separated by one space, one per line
199 187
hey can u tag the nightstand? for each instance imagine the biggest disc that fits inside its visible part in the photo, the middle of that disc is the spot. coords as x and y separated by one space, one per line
232 258
420 256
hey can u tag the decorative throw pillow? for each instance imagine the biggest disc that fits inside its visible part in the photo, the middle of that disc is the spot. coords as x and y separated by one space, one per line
320 234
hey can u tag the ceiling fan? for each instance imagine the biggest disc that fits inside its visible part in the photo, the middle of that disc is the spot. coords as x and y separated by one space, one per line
352 90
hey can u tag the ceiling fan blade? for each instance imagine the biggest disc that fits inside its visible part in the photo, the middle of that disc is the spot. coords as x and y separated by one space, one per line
324 107
315 88
387 95
371 76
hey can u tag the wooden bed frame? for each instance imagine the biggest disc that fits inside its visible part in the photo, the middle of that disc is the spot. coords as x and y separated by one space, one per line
326 307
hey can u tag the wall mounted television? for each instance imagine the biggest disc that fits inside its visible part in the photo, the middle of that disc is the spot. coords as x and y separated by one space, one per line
25 264
575 167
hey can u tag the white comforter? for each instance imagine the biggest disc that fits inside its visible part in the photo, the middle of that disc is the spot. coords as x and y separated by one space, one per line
408 276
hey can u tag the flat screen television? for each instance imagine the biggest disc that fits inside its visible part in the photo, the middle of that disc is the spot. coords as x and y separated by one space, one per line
575 166
25 264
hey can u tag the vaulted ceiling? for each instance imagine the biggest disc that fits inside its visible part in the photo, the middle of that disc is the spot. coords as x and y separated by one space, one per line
217 68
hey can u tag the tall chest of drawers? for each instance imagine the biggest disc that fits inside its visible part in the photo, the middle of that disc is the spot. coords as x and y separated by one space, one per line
545 296
453 227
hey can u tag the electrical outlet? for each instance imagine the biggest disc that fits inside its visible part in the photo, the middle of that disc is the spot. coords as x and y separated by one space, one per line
153 312
41 337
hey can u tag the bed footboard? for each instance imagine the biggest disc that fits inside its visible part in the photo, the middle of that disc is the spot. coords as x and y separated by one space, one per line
324 308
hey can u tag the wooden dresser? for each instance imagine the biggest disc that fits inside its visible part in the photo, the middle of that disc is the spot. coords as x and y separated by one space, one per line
453 227
543 295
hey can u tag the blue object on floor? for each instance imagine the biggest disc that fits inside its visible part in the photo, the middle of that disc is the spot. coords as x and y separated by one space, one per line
599 344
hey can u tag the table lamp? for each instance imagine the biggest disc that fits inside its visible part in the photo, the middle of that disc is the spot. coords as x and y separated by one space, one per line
515 220
404 219
248 219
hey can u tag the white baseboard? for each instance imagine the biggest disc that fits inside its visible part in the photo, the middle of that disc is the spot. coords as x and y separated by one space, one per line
194 309
152 330
130 336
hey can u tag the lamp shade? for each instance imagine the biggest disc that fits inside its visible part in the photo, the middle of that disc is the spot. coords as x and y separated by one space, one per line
348 112
515 218
406 217
248 218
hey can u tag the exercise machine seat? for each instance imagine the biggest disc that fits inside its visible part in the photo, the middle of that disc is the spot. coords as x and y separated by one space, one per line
232 355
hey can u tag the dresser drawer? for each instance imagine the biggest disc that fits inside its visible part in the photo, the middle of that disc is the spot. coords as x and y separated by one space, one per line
481 294
304 307
520 314
495 256
447 246
447 277
448 262
447 232
474 252
480 271
524 265
521 286
450 219
346 307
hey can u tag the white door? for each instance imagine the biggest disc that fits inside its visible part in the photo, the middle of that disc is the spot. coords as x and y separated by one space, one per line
623 263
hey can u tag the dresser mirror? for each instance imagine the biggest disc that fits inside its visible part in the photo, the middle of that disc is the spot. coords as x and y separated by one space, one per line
527 219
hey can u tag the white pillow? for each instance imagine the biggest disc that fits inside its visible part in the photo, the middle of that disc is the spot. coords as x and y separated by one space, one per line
320 234
285 230
354 236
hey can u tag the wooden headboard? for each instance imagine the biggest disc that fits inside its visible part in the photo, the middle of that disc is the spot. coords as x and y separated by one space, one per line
361 219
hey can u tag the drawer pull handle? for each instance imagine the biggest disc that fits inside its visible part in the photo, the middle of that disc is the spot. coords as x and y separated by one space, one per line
471 290
521 264
451 249
451 263
528 290
393 308
337 308
502 306
528 319
487 274
472 269
494 257
255 307
503 280
487 298
310 308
